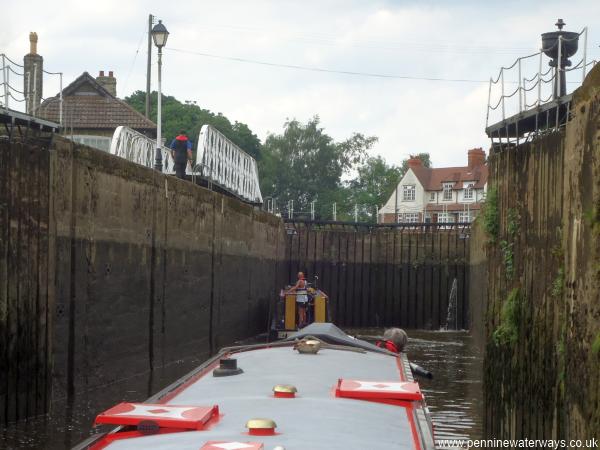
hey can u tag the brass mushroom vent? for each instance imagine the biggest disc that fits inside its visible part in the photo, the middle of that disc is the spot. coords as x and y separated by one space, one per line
308 346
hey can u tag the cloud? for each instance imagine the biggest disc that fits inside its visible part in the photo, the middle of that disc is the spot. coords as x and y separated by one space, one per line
461 39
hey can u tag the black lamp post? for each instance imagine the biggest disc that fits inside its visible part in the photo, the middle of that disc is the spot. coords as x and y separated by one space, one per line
159 36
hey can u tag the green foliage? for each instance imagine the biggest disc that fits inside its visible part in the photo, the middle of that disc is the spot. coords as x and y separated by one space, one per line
596 345
375 181
425 160
305 164
513 222
558 284
558 252
190 117
592 217
507 331
491 215
508 258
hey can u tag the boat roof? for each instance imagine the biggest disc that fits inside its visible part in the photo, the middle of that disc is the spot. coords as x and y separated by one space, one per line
328 332
315 419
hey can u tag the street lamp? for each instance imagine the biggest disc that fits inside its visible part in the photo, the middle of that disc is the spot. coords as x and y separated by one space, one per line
159 36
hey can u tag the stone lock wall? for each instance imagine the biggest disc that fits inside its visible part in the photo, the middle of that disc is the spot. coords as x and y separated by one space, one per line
136 273
536 283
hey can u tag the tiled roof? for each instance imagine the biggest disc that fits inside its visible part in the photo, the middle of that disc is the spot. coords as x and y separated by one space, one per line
86 104
432 179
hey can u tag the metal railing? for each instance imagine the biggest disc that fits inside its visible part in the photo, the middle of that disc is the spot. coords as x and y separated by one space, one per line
140 149
225 164
27 100
516 101
219 161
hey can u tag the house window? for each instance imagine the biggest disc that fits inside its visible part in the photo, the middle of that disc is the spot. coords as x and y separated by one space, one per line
432 197
464 217
408 193
448 191
411 217
99 142
468 192
445 218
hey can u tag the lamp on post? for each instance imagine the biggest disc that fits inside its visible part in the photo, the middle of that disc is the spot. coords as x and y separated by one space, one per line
159 36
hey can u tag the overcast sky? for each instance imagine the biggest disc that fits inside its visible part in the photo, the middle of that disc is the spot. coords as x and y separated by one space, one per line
454 40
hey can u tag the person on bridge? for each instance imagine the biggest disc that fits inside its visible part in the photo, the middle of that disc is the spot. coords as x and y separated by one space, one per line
301 299
394 340
181 151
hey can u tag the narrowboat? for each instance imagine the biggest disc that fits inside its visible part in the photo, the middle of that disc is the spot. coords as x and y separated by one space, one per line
318 389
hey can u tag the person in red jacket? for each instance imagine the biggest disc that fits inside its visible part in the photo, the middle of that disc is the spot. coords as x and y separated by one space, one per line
394 340
181 151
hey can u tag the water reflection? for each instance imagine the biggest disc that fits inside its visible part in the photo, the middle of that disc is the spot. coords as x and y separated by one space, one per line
70 422
454 396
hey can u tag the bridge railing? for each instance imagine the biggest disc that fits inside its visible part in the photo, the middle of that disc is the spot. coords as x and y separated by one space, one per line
512 92
140 149
15 78
223 163
218 160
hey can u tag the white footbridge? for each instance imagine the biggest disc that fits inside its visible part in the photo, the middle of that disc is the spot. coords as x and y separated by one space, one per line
218 160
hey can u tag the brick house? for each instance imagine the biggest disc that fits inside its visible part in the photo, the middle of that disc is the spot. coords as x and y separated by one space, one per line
92 111
446 194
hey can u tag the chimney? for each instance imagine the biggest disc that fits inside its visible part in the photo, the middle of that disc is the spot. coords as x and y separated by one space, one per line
33 69
414 161
108 82
476 157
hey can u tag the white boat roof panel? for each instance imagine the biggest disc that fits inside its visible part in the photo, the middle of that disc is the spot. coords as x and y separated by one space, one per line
315 419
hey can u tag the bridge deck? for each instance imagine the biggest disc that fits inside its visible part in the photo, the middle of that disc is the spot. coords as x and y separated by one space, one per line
11 117
549 115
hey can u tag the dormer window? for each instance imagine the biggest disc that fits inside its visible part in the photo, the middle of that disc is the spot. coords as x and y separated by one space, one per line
408 193
468 195
447 187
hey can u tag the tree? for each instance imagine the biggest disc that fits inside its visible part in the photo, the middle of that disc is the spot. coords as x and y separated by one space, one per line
304 164
188 116
425 160
375 182
372 187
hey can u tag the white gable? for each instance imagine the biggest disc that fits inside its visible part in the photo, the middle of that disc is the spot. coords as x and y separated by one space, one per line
409 179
